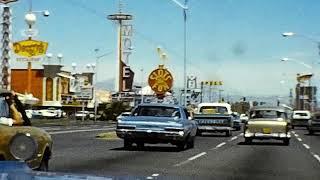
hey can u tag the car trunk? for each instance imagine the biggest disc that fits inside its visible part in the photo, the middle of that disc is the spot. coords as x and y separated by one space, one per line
152 123
267 126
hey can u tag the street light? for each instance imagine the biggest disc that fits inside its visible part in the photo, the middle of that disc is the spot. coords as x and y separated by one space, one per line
291 34
296 61
184 8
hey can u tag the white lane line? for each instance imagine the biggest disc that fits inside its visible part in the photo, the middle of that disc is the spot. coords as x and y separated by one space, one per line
240 134
306 146
293 132
155 175
197 156
234 138
190 159
297 135
317 157
221 144
299 139
80 130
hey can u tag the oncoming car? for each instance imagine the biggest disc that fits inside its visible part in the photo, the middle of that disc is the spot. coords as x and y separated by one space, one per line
267 123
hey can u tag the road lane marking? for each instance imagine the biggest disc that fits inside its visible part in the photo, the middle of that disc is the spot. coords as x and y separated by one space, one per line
80 130
221 144
190 159
317 157
197 156
155 175
240 134
234 138
299 139
293 132
297 135
306 146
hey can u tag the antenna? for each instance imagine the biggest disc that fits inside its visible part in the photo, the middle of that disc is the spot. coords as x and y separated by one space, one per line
120 6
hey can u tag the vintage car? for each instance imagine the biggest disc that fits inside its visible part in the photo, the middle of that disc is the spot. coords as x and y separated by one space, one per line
214 117
23 143
157 123
267 123
300 118
314 123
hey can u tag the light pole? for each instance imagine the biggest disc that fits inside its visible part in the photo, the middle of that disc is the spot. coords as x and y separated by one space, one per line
292 34
141 85
184 8
296 61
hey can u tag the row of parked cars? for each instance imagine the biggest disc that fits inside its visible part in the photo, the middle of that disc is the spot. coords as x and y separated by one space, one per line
50 113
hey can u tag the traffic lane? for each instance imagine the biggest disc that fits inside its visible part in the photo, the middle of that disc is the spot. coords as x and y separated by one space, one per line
311 142
261 160
83 153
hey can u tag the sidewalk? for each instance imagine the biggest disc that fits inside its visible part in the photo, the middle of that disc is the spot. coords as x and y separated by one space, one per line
68 122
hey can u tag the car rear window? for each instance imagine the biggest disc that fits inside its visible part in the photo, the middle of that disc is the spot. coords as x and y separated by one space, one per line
213 110
301 114
158 111
271 114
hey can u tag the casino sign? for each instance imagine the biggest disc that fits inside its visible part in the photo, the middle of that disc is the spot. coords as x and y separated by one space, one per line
160 80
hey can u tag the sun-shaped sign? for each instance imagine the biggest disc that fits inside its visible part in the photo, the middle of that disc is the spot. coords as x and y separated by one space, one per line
160 80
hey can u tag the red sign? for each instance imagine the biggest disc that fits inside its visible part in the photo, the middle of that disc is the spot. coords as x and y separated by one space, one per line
7 1
160 80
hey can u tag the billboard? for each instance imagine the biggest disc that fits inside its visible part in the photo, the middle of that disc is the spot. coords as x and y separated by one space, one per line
30 48
160 80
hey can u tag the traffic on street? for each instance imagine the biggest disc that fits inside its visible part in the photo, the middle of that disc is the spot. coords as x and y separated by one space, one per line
170 89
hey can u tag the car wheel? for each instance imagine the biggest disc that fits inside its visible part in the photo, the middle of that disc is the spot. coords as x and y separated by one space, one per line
140 145
127 144
199 133
44 165
181 145
190 143
311 132
292 126
248 140
286 141
228 133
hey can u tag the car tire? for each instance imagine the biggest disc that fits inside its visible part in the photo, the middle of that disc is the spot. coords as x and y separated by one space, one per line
199 133
248 140
292 126
228 133
286 141
181 145
140 145
44 165
311 132
190 143
127 144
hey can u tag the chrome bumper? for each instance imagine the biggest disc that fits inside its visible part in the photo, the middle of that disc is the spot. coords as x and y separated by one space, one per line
150 134
267 136
214 128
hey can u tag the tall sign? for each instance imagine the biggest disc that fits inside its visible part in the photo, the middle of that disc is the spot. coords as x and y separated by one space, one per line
30 48
160 80
5 49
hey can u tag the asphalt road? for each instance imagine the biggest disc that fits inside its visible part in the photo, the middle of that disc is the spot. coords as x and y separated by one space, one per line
214 157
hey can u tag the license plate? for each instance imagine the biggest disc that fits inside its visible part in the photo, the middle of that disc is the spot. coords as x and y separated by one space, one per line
266 130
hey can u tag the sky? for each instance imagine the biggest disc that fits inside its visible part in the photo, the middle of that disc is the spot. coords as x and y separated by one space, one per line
236 41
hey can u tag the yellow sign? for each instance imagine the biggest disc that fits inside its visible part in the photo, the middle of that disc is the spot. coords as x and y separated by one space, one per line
212 83
160 80
30 48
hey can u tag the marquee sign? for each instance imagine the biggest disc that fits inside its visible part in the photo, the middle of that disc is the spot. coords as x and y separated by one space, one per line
30 48
160 80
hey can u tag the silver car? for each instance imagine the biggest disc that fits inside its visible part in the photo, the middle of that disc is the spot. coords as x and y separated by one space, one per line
157 123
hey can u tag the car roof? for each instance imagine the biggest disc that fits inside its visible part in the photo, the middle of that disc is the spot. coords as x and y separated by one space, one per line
161 105
268 108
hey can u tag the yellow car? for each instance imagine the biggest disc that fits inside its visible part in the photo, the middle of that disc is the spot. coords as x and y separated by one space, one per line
267 123
25 143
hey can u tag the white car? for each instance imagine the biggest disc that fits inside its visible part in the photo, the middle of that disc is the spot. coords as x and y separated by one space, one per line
300 118
82 115
123 115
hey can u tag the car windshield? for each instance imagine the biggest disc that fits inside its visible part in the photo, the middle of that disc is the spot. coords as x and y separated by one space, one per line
213 110
157 111
270 114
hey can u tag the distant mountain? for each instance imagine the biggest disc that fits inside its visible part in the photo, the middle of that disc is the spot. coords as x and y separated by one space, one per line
106 84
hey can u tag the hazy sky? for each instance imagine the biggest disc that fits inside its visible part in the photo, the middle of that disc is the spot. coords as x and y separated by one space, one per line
237 41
